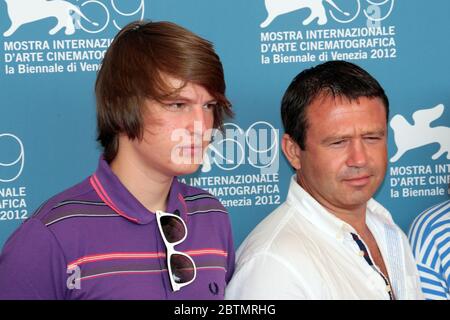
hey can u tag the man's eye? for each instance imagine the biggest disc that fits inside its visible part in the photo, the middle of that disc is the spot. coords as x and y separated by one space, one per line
372 139
175 106
337 143
210 106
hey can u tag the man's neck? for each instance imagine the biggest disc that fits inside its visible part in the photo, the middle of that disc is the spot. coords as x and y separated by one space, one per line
150 188
354 216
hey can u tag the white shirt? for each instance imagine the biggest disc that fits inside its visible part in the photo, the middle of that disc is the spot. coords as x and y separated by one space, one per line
301 251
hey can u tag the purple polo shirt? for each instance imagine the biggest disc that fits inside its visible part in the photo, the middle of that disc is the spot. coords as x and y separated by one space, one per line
97 241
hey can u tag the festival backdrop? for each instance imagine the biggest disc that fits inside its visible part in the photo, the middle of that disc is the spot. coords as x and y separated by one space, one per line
51 51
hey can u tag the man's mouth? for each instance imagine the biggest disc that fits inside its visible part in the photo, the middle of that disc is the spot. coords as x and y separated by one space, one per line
358 181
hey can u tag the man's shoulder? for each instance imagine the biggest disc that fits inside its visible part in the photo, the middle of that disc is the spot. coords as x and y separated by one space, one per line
379 213
283 243
200 201
81 197
436 213
426 222
281 233
37 229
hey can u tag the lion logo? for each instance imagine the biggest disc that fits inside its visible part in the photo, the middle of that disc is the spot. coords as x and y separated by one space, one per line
411 136
25 11
276 8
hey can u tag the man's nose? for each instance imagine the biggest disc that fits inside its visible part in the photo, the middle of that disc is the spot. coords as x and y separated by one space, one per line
201 119
200 123
357 154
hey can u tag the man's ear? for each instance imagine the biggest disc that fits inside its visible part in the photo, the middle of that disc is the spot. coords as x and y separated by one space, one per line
291 150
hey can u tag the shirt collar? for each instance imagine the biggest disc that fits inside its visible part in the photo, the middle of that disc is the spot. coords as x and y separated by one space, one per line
321 218
111 190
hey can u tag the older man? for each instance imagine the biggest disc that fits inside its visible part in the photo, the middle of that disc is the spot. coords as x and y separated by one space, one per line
330 239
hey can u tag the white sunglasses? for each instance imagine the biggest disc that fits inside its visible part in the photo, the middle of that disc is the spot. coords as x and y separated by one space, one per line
181 267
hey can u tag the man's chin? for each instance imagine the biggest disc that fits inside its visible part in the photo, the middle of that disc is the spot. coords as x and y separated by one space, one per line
186 169
358 200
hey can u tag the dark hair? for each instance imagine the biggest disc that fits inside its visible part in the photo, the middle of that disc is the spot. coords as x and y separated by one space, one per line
335 78
133 70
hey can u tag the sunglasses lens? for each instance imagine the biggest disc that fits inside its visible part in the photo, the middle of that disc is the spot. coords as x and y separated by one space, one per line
173 228
182 268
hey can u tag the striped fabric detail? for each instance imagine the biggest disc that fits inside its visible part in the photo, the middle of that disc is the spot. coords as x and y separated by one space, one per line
104 196
80 208
136 270
424 221
369 261
207 251
207 211
201 207
38 210
79 202
198 197
119 272
139 256
79 215
115 256
430 241
142 263
397 264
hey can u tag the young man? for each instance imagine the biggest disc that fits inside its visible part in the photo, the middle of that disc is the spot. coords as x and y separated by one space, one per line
131 230
330 239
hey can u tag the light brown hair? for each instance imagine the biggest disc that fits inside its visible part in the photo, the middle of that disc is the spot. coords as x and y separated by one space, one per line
133 70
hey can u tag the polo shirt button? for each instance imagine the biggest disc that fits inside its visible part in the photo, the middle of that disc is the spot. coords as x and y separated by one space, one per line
361 253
